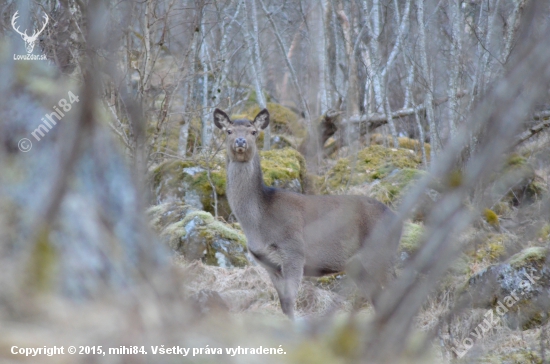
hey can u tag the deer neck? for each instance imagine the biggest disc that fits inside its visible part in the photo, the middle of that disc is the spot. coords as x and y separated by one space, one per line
246 191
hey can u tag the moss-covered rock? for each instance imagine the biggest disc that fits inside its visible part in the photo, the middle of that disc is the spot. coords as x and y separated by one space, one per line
520 287
197 235
188 181
284 168
518 182
372 163
392 187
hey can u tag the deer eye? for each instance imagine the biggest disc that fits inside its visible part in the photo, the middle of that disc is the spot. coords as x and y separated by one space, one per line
229 131
254 132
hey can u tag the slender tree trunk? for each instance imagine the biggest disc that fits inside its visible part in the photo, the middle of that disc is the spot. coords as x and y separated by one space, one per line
352 94
189 89
293 75
147 67
206 118
426 74
456 52
222 74
409 101
513 26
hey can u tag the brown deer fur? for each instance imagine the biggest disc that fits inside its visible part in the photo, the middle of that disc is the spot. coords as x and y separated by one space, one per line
291 234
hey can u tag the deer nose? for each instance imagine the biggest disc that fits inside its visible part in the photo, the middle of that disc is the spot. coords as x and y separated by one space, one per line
240 142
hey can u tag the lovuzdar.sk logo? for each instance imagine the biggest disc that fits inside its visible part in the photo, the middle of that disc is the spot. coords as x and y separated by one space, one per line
29 40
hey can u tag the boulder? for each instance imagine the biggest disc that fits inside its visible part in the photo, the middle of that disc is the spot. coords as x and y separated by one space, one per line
197 235
518 182
370 164
188 182
517 290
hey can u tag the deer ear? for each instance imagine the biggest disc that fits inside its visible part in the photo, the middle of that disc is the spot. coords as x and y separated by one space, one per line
262 119
221 120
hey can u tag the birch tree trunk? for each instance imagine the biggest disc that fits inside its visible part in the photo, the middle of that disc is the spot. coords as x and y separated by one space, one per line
189 89
456 51
378 73
206 118
222 74
293 75
251 44
426 74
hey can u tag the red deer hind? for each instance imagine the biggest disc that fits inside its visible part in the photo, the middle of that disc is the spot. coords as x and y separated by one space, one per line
291 234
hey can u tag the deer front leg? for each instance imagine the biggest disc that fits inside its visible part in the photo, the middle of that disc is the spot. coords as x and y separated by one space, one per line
287 281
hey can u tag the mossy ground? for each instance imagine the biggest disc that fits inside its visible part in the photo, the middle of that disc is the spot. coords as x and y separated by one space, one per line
411 238
530 256
404 142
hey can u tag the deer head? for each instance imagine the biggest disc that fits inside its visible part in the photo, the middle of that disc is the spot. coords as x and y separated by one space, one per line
241 134
29 40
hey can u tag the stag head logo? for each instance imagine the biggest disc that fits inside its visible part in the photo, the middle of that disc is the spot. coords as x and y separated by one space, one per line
29 40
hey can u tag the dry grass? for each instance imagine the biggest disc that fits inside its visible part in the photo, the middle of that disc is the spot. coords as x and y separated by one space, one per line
250 290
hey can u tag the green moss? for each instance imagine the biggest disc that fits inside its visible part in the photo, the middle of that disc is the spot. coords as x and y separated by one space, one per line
215 227
491 217
501 208
404 142
515 160
544 232
454 179
412 237
519 356
170 178
207 234
283 165
493 248
518 182
374 162
393 187
530 256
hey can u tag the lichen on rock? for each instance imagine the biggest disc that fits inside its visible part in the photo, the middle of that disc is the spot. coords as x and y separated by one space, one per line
520 286
197 235
188 181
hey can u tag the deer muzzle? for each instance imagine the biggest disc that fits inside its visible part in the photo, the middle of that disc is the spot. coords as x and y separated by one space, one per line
240 145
